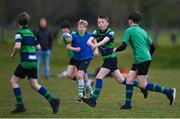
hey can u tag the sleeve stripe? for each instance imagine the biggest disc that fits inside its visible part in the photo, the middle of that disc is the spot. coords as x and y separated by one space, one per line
18 40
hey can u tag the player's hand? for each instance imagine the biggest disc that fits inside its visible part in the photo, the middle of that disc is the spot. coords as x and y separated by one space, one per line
96 52
114 50
94 46
12 56
77 49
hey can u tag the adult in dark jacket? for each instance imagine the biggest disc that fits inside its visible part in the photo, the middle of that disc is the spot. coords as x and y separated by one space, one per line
45 39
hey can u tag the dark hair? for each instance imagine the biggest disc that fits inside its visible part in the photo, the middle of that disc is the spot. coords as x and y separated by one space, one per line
65 24
103 17
23 18
135 16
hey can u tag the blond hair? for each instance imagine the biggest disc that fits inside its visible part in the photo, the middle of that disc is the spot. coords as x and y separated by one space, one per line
83 22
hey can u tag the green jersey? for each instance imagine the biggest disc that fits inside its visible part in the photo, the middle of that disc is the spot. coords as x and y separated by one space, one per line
140 42
28 48
70 53
106 50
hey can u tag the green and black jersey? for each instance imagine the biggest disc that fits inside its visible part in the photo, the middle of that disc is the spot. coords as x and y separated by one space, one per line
28 48
106 50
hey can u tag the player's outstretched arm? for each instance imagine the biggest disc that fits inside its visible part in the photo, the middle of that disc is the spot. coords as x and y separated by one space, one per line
95 51
90 41
105 40
121 47
76 49
17 46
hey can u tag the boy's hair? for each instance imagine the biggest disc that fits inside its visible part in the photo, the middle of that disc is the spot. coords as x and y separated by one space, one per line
135 16
65 24
23 18
83 22
103 17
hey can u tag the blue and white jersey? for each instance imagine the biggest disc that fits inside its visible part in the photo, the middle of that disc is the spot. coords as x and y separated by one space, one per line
86 51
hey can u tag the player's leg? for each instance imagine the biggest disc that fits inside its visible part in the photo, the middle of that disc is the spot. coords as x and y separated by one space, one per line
71 69
80 81
120 79
142 75
88 84
19 74
71 72
99 83
82 68
169 92
54 102
129 89
46 64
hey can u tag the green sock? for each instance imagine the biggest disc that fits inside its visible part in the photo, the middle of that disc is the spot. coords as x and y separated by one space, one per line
45 93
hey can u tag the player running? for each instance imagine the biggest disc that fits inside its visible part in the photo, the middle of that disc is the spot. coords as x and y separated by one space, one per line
143 49
27 45
81 58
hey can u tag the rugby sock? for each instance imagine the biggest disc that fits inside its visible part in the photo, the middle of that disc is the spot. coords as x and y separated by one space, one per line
17 93
129 93
43 91
136 83
158 88
98 88
89 88
81 87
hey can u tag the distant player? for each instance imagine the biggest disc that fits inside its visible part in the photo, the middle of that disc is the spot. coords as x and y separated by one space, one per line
27 45
143 49
105 42
71 68
83 54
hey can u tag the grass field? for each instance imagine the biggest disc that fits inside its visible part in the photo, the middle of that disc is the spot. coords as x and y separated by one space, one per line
156 105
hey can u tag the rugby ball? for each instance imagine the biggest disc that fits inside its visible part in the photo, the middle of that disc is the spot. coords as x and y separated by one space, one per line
67 38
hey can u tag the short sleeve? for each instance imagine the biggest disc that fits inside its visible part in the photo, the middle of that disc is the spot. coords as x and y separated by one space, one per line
18 37
126 36
149 40
94 34
36 42
111 35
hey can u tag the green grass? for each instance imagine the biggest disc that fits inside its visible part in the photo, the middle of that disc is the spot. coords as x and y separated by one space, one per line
156 105
164 70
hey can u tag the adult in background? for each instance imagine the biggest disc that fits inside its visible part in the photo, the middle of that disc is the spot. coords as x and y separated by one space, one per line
45 39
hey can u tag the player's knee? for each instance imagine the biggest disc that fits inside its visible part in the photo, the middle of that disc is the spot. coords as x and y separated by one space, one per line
35 86
129 81
142 85
120 80
13 81
69 75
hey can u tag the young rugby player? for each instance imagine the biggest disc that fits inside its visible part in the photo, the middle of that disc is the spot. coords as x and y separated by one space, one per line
82 56
27 45
71 69
143 49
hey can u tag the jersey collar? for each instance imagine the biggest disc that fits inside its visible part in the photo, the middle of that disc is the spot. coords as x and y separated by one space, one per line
103 32
82 35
